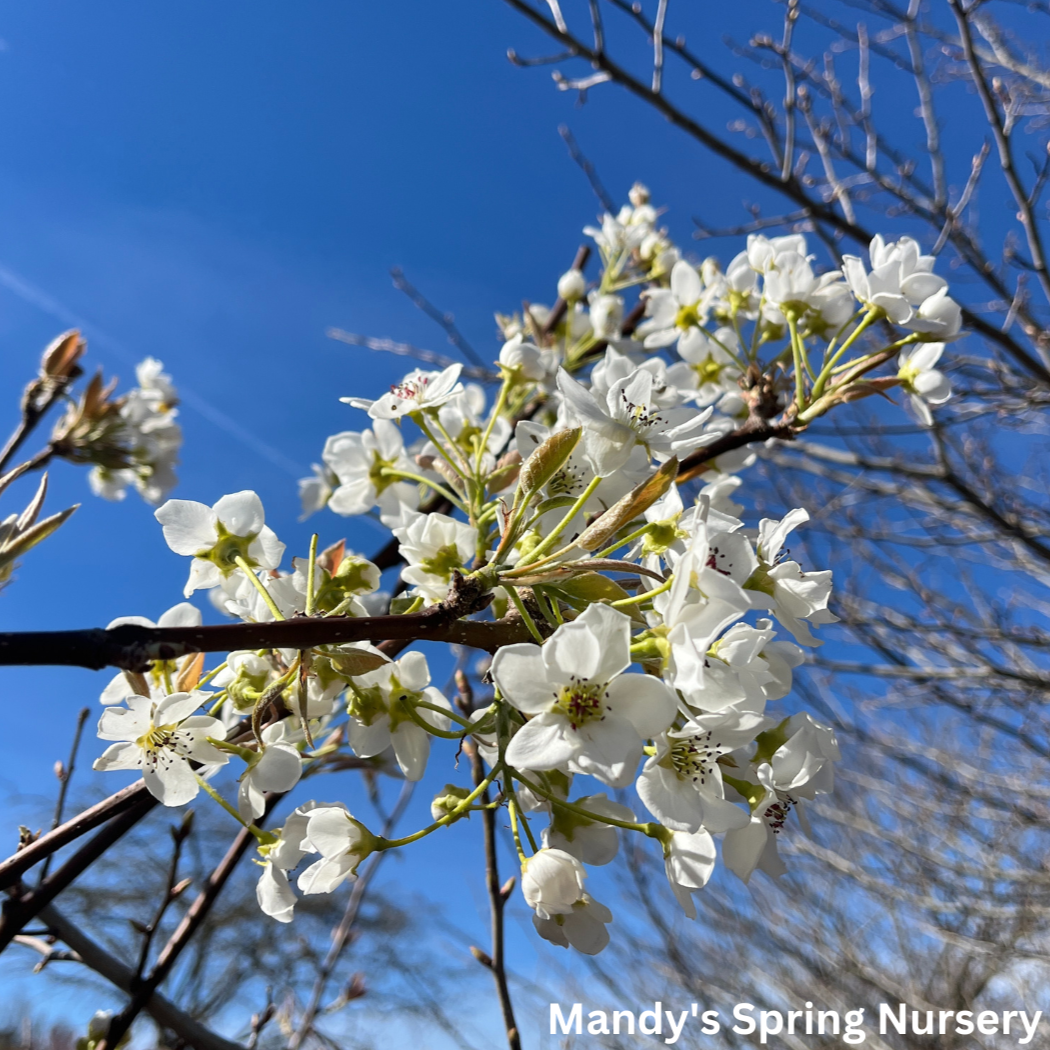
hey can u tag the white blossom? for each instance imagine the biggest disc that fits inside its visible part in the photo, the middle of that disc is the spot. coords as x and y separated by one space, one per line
419 391
215 536
161 739
587 715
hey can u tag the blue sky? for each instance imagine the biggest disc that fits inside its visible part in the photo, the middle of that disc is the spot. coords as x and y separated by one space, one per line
215 185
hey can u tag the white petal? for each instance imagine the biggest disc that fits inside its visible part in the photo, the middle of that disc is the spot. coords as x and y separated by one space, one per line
645 701
686 285
412 749
545 742
172 782
520 675
573 650
241 513
612 630
188 526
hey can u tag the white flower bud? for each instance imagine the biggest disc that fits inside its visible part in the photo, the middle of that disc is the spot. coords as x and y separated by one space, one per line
552 882
572 285
638 194
524 358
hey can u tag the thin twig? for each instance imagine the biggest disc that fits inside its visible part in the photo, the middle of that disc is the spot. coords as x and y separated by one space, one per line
119 974
63 782
446 320
341 934
388 346
658 46
588 170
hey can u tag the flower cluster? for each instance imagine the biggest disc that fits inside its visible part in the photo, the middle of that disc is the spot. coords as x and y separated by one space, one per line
129 440
582 527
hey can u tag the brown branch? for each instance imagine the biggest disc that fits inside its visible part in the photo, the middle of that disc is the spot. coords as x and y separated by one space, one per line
763 173
497 902
143 991
166 1013
20 909
12 869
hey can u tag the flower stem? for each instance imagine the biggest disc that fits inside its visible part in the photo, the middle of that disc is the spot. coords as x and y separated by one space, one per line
643 596
310 574
523 612
546 544
259 586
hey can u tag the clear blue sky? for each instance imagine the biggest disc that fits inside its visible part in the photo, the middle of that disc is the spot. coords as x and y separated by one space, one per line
215 184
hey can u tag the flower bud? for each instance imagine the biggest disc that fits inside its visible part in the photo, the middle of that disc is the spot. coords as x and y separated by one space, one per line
638 194
548 459
447 800
552 882
572 285
523 359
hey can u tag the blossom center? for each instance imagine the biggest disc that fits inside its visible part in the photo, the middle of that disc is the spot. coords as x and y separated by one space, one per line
694 757
688 316
411 389
581 701
640 417
442 562
161 744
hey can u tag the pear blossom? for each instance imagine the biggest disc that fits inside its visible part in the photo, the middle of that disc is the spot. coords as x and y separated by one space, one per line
419 391
434 546
924 384
572 285
792 595
681 784
524 359
939 318
589 841
708 367
161 739
343 843
791 285
215 536
628 417
379 718
273 890
276 766
358 461
689 861
801 767
150 438
552 882
583 927
587 715
677 313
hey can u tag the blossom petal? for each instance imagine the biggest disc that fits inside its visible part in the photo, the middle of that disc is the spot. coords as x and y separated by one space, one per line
545 742
643 700
188 527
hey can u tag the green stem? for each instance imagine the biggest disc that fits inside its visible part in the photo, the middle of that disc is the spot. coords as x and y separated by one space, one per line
445 734
222 802
310 575
449 817
259 586
501 400
644 596
570 807
545 545
796 356
825 373
523 612
393 472
629 538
